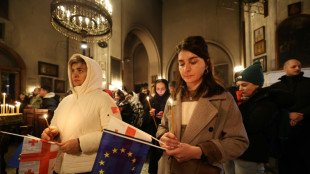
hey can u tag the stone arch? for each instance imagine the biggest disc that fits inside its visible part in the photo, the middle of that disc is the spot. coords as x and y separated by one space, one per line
136 36
20 68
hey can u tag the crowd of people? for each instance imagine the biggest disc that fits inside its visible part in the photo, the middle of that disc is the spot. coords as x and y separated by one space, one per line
210 129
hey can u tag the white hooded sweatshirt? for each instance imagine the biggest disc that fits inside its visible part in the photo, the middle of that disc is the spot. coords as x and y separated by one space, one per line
83 115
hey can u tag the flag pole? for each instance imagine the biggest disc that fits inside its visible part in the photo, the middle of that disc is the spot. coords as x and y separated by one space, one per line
133 139
30 137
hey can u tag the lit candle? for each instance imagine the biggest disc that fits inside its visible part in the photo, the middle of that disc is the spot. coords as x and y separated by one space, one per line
172 119
45 116
17 107
6 108
148 100
4 94
13 109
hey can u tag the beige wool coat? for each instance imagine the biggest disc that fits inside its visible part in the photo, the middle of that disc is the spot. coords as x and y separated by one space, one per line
215 126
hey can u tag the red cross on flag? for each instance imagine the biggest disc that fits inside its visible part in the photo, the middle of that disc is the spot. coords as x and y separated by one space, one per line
119 126
37 157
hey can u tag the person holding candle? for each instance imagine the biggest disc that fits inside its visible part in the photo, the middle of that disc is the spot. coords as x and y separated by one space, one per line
158 103
24 101
80 117
207 122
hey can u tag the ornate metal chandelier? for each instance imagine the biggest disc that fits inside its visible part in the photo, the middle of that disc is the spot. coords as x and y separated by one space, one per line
83 20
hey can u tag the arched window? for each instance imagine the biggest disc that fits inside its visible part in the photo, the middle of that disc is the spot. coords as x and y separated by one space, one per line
12 73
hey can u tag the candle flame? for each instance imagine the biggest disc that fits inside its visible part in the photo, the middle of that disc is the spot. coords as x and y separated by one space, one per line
4 94
45 116
170 100
147 97
17 104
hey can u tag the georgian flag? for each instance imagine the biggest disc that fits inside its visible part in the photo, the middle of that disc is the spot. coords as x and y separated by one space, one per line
38 156
121 127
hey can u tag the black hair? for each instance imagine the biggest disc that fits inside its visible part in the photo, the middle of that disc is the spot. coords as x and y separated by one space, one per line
46 88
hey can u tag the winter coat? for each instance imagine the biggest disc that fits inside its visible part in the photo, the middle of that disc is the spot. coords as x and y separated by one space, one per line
83 114
49 101
36 101
259 114
215 126
299 86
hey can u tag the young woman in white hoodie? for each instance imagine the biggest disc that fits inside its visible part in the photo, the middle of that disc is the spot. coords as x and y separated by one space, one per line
80 117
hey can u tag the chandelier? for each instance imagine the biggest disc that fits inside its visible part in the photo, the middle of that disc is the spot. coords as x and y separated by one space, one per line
83 20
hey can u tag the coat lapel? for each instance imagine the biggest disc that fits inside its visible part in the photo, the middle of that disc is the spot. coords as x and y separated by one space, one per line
202 115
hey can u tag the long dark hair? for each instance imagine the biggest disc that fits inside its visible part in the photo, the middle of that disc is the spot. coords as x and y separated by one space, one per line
210 84
160 101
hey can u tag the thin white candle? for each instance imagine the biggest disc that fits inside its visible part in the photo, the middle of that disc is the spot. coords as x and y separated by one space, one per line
148 100
17 107
45 116
172 119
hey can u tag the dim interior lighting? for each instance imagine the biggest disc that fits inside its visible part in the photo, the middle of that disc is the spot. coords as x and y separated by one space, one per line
83 20
115 85
238 68
83 45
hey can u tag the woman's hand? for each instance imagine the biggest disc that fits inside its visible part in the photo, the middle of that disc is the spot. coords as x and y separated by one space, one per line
160 114
170 141
49 134
71 146
185 152
152 112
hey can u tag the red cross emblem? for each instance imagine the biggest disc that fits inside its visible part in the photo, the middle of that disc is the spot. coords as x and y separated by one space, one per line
32 142
44 156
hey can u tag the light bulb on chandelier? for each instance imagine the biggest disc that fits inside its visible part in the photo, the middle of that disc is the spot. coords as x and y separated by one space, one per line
83 20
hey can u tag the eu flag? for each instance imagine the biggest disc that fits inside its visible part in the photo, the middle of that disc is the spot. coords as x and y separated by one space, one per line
119 155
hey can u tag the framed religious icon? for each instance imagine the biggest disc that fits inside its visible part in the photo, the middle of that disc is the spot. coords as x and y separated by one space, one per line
263 62
294 9
154 78
259 34
59 86
260 47
47 69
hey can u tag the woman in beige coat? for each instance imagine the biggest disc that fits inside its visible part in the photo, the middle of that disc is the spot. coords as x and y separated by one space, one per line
208 128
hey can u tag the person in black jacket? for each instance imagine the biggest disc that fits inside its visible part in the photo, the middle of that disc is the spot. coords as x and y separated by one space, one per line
50 100
259 110
294 157
124 106
158 103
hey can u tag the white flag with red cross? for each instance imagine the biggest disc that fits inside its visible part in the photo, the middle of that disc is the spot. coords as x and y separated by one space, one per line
119 126
38 156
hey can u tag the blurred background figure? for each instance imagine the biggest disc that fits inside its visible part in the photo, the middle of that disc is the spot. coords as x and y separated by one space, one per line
124 106
158 103
24 101
172 87
35 99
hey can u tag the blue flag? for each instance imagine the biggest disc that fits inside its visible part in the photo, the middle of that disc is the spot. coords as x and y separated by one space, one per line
119 155
14 161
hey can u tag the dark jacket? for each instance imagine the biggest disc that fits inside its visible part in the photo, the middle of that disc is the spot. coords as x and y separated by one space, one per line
50 101
299 86
259 118
126 112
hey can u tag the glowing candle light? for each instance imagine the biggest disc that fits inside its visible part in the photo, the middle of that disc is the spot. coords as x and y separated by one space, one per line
6 108
148 100
4 94
17 107
1 108
13 109
172 119
45 116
